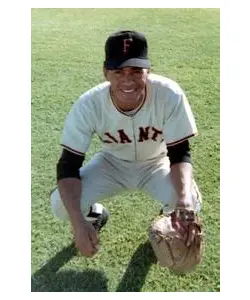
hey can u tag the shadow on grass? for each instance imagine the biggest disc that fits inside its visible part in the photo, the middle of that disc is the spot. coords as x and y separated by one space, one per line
48 279
135 275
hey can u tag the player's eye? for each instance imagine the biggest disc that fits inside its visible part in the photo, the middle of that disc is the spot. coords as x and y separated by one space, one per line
138 71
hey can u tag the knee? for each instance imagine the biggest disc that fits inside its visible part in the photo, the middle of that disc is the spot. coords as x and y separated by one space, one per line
57 205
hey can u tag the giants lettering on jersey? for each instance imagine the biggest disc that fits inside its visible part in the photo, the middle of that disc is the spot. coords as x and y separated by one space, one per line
145 133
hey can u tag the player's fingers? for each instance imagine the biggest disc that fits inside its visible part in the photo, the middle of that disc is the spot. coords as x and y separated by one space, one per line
94 239
191 235
84 244
86 248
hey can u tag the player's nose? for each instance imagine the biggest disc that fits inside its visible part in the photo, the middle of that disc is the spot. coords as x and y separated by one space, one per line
127 79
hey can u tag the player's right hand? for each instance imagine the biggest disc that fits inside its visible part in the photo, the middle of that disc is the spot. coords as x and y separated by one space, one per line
86 239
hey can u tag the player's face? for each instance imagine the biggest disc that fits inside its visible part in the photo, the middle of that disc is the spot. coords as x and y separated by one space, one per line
127 85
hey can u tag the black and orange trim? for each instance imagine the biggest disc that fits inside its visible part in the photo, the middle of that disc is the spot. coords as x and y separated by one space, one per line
72 150
182 140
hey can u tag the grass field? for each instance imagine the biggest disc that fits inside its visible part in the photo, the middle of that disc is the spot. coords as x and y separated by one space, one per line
67 57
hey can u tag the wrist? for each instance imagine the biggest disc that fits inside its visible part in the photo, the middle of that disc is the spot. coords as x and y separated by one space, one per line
185 201
77 218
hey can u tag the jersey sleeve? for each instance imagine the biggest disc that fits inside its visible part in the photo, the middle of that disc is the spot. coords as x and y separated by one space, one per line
179 122
78 128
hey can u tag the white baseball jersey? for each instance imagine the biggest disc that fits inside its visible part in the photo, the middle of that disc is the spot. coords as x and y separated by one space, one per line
165 118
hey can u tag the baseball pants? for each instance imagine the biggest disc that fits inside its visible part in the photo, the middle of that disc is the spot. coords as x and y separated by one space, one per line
105 176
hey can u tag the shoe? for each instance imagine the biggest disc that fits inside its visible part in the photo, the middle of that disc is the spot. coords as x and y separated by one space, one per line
98 215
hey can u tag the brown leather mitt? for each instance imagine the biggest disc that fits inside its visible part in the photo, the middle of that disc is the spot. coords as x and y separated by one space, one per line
177 240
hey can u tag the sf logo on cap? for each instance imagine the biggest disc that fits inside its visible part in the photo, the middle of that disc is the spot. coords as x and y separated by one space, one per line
126 44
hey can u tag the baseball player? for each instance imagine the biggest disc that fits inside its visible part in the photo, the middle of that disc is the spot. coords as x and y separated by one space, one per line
144 122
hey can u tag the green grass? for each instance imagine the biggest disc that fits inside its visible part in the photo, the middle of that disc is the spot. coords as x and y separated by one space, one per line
67 56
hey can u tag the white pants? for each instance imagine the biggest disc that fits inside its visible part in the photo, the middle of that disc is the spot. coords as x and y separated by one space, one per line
105 176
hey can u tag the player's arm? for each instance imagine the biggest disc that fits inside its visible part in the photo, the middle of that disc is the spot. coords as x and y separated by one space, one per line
181 172
76 136
69 184
178 128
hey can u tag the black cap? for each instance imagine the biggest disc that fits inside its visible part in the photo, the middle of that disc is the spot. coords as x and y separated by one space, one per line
126 49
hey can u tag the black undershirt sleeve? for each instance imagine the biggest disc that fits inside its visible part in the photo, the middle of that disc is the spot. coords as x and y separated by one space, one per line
68 165
179 153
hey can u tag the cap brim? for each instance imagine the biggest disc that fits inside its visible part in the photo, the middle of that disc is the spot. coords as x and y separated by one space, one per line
132 62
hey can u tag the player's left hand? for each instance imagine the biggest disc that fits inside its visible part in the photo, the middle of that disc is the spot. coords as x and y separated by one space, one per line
169 235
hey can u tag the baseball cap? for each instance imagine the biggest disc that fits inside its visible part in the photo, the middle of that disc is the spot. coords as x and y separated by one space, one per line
126 49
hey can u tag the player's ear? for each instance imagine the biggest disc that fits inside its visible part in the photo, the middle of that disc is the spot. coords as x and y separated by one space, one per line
105 73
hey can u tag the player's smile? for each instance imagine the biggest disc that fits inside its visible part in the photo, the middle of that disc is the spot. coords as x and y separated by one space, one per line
128 91
128 96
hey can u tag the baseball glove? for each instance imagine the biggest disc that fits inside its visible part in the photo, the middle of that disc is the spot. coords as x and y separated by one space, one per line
177 240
